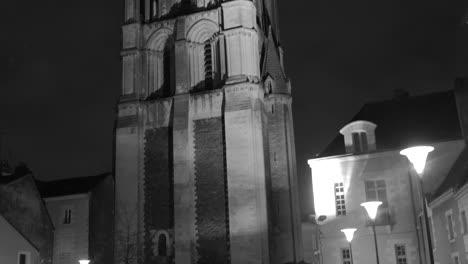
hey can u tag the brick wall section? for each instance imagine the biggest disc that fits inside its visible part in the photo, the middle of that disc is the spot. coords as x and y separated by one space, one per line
158 182
22 206
210 188
101 228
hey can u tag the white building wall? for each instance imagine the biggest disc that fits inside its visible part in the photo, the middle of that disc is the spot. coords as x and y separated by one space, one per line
353 170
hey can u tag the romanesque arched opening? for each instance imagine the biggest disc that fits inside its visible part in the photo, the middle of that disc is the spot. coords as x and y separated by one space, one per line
162 245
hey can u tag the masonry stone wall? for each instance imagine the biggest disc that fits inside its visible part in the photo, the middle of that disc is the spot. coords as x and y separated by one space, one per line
210 190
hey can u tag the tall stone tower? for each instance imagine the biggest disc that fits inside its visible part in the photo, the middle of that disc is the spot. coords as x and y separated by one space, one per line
205 159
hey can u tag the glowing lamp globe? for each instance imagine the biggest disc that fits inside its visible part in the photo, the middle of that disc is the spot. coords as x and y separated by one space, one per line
417 156
84 261
371 208
349 233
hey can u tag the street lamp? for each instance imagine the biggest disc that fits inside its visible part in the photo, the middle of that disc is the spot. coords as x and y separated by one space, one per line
371 209
349 233
84 261
418 156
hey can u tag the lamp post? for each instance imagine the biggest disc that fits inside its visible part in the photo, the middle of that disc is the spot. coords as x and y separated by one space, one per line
84 261
371 209
418 156
349 233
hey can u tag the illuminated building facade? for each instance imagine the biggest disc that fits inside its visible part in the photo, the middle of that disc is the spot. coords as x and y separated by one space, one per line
204 156
363 164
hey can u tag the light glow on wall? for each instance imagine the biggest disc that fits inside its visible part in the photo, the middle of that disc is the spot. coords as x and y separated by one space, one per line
325 173
417 156
84 261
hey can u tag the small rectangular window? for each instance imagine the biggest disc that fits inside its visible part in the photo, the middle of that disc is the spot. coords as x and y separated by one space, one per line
340 199
356 142
363 136
23 258
346 255
464 222
359 142
400 254
376 190
450 230
67 217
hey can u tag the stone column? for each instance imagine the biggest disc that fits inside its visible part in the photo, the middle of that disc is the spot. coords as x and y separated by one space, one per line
246 174
183 182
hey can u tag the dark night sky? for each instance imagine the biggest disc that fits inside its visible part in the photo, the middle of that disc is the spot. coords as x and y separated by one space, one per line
60 71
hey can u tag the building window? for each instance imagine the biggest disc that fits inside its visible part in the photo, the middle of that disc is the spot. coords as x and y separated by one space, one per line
154 8
400 254
208 55
24 258
449 225
340 199
162 246
455 258
346 255
359 142
67 217
168 64
464 222
376 190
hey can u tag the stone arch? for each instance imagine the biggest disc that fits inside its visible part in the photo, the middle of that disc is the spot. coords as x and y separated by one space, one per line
202 31
160 63
162 240
204 50
156 41
162 245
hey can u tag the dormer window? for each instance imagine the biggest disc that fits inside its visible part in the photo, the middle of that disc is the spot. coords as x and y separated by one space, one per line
359 136
359 142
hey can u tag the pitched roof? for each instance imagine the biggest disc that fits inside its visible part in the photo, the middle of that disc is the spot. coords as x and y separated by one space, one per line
407 121
456 178
69 186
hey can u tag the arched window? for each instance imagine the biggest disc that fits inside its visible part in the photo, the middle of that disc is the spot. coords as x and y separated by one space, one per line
208 55
154 8
161 64
162 247
204 54
168 64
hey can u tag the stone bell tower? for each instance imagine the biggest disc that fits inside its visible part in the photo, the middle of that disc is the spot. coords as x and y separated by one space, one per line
204 156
